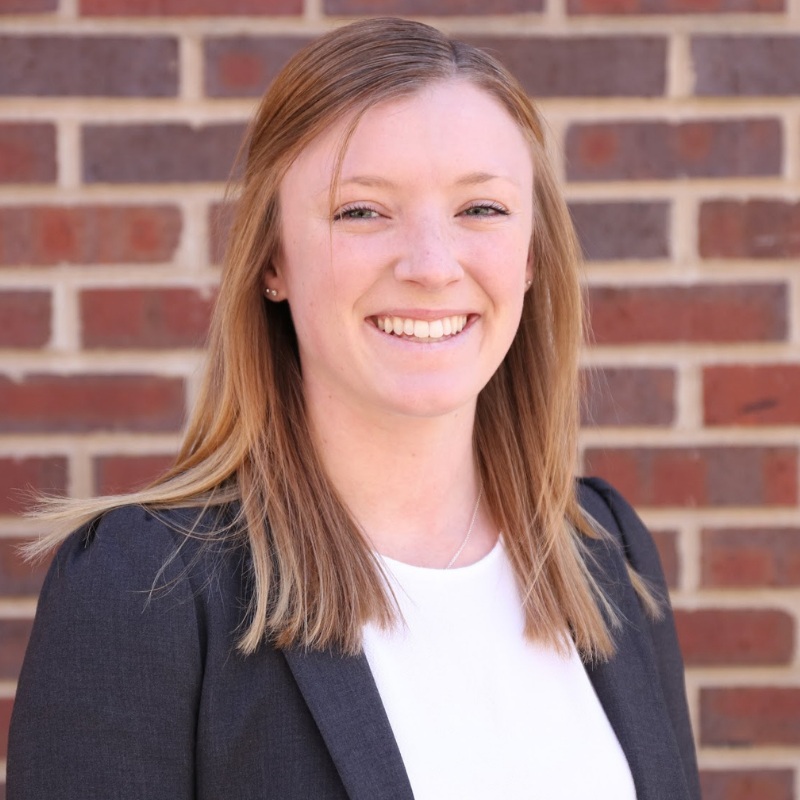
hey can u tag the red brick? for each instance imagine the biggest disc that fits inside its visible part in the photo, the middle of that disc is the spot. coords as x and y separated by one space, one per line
767 394
747 784
21 475
745 558
749 229
699 313
611 231
83 403
27 152
746 65
243 66
19 578
14 635
650 150
189 8
700 476
735 637
753 715
28 6
629 396
674 6
144 318
89 66
583 66
121 474
430 7
160 153
6 705
50 235
26 318
667 544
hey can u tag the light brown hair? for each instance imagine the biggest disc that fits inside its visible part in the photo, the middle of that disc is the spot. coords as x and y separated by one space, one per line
315 579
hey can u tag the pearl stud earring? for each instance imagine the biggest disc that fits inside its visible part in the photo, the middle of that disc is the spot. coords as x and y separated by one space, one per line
270 292
528 284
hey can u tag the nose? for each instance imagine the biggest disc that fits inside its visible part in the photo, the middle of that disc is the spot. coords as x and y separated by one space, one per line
429 255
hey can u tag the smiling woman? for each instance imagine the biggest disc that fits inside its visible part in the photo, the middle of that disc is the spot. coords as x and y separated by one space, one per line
371 572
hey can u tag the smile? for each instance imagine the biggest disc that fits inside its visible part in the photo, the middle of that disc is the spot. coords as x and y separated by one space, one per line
420 329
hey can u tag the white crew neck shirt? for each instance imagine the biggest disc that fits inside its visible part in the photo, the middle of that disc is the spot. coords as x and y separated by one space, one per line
478 712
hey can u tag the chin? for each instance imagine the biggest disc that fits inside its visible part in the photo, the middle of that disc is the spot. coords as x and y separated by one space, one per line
428 402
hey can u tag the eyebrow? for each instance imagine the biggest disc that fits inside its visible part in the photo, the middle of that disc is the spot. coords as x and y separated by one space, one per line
470 179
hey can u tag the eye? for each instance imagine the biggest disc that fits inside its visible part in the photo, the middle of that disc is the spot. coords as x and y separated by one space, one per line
356 213
485 209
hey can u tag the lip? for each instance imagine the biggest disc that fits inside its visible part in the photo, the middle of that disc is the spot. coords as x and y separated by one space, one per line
426 315
408 341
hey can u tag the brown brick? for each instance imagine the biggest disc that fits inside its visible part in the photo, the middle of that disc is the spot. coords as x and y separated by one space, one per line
664 151
27 152
144 318
51 235
667 544
19 578
28 6
6 705
746 65
20 476
611 231
160 153
430 7
26 318
751 229
243 66
83 403
747 784
700 476
220 221
14 635
188 8
674 6
742 558
584 66
699 313
735 637
121 474
629 396
89 66
767 394
752 715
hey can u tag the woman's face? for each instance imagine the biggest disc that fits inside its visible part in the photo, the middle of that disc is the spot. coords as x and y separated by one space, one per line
407 294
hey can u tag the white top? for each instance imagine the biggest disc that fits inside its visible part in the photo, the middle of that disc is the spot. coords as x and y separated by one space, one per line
479 712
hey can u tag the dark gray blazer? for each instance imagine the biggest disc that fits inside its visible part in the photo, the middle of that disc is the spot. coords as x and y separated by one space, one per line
122 698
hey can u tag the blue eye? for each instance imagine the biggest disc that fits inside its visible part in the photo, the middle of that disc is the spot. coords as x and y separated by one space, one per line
485 210
355 212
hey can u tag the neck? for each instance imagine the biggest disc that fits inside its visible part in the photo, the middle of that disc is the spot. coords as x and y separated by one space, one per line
411 483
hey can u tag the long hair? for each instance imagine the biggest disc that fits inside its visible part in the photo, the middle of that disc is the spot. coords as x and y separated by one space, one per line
315 581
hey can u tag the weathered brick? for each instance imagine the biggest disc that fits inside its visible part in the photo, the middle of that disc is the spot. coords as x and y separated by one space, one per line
89 66
767 394
28 6
746 65
19 578
583 66
649 150
50 235
749 229
83 403
25 318
699 313
667 544
6 705
160 153
750 715
629 396
14 635
27 152
188 8
19 476
741 637
243 66
700 476
121 474
144 318
622 230
430 7
747 784
743 558
674 6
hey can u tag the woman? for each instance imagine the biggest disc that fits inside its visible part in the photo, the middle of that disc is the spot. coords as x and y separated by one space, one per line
370 573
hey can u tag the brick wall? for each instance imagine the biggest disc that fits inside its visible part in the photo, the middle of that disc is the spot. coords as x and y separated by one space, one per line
677 130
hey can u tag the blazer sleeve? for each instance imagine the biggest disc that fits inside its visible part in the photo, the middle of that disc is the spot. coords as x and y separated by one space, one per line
107 700
640 551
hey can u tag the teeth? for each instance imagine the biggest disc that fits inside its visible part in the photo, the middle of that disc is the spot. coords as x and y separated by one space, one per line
423 329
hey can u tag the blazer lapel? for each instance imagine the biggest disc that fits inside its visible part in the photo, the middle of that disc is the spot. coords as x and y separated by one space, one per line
628 685
344 701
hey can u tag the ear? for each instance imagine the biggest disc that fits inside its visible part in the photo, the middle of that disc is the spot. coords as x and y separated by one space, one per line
272 283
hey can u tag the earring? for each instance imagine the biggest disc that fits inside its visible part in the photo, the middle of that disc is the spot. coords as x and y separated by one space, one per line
270 292
528 284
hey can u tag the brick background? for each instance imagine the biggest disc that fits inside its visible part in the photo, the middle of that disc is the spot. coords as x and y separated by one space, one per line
675 126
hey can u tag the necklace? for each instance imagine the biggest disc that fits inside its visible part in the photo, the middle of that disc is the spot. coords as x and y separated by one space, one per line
469 531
